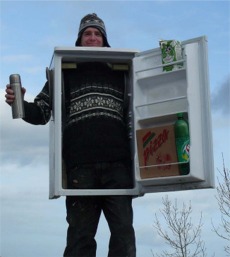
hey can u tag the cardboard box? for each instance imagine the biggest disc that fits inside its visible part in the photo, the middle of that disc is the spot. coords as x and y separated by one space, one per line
157 152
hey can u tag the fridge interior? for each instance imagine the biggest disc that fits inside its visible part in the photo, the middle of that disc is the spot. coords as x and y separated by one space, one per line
116 61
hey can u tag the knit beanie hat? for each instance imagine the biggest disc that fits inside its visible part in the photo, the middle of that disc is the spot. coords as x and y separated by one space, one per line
92 20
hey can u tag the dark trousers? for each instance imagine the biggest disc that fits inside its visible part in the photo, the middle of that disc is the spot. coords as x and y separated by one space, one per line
83 212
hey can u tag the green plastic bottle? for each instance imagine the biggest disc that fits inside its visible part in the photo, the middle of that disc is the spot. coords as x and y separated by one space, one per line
181 130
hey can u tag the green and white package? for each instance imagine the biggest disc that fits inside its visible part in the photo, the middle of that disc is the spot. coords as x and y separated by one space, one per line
171 51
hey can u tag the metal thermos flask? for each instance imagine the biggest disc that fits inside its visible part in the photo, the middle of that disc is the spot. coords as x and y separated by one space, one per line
18 104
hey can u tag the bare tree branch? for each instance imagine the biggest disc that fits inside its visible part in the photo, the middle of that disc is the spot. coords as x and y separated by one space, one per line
180 234
223 200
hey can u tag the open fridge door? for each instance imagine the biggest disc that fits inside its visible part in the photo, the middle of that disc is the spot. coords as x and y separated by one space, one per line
158 96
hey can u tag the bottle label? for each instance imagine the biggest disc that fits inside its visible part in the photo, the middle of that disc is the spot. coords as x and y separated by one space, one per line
183 146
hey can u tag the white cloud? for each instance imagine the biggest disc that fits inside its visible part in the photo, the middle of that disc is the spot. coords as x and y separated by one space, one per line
22 143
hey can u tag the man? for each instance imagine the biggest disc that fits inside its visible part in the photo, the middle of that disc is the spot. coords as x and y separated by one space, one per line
95 147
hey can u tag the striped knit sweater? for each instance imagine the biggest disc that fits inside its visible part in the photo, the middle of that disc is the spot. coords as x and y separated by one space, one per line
95 129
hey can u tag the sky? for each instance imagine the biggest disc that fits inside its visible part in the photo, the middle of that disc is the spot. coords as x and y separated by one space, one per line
31 224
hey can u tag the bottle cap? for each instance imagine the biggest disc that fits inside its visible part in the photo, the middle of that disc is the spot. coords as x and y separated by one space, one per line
180 115
15 78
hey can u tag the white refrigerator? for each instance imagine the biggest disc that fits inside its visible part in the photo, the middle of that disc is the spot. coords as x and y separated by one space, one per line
156 97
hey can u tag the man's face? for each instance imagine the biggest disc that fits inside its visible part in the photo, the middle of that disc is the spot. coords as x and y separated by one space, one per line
92 37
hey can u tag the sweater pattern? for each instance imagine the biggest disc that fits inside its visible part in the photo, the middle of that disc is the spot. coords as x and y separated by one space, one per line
91 101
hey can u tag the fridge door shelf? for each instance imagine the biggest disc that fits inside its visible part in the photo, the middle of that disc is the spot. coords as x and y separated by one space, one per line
166 179
158 71
159 120
170 181
160 91
153 110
